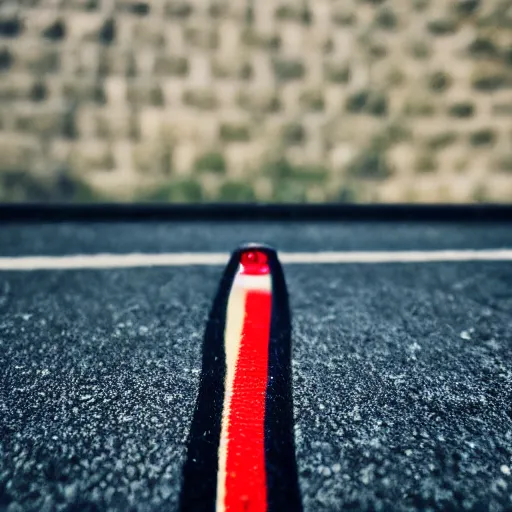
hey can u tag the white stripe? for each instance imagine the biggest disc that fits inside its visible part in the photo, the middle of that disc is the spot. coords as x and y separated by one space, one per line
235 315
98 261
253 282
398 256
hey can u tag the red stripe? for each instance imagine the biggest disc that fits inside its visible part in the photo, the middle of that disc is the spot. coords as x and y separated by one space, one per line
245 463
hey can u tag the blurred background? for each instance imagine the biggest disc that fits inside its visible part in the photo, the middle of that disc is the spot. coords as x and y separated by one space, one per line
256 100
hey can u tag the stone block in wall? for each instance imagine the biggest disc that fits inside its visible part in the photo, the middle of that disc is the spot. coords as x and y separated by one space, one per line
241 158
121 183
124 27
344 16
199 70
19 152
235 132
293 39
502 109
501 104
340 155
151 157
171 65
357 130
263 72
36 57
321 11
116 90
314 76
429 188
174 35
122 150
287 69
181 124
82 59
227 92
15 86
60 151
260 101
145 61
136 8
158 8
337 72
179 10
334 98
202 37
294 134
208 127
453 45
290 97
263 188
85 59
114 123
463 189
392 191
217 10
90 155
116 61
47 120
252 40
86 123
296 155
144 92
6 115
84 26
273 127
185 154
80 90
172 90
36 20
239 68
69 61
75 5
294 12
200 98
52 88
345 44
237 11
148 32
314 148
402 157
150 122
264 17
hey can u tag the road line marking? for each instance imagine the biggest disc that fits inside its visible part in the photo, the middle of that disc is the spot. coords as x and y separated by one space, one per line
398 256
134 260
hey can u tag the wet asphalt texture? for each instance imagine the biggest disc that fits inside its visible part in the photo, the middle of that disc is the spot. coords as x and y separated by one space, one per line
402 373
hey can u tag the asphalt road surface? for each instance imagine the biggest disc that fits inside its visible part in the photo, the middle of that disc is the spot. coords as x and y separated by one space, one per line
402 372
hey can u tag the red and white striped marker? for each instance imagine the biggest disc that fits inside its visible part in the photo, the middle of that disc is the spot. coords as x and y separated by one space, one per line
241 478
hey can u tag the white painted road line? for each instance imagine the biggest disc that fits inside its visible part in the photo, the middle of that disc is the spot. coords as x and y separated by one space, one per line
398 256
111 261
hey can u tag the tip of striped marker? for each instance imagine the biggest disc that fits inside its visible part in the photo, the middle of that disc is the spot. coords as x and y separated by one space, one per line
254 262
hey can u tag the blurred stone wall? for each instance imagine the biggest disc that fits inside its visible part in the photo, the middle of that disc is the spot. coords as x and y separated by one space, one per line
374 100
